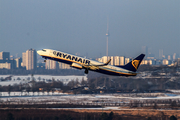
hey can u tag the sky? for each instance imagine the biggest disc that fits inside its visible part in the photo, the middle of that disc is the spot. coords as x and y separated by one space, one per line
80 26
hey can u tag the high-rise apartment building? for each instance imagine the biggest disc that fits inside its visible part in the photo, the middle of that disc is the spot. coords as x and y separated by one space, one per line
31 59
119 60
169 57
103 59
112 60
23 64
51 64
64 66
4 56
18 62
115 60
122 59
178 61
174 56
127 60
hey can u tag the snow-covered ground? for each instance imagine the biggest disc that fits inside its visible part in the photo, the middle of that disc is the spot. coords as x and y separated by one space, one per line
88 99
20 79
25 94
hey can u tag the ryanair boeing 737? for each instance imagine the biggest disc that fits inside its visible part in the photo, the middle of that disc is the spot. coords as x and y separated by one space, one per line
83 63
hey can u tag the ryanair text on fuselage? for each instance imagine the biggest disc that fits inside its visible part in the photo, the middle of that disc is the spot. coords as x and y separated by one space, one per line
70 57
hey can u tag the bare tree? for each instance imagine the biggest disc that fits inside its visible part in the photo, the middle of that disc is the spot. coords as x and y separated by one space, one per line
9 89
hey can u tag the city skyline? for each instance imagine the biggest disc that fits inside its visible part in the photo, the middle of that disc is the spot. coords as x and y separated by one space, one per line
31 60
144 49
81 26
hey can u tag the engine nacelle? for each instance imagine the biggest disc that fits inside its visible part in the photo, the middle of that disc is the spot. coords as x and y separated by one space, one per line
75 65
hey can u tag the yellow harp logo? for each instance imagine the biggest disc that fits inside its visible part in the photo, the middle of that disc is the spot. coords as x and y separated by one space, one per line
135 63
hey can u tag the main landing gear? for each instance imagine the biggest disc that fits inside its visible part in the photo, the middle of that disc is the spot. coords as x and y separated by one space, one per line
86 71
45 60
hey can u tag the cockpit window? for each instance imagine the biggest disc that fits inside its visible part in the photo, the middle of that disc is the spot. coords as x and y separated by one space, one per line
43 50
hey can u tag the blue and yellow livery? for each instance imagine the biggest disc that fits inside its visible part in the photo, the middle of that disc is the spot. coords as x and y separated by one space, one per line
83 63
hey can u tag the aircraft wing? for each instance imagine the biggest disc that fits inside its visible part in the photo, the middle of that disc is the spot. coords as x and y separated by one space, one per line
101 64
95 67
105 63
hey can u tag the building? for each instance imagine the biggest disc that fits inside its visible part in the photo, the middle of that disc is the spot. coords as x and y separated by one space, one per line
127 60
99 59
104 59
23 64
169 57
6 62
174 56
165 62
64 66
119 60
178 61
161 56
112 60
122 60
41 65
115 60
51 64
144 62
30 59
5 65
4 56
18 62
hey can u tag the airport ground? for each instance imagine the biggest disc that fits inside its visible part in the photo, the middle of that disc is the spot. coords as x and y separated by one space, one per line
133 99
126 106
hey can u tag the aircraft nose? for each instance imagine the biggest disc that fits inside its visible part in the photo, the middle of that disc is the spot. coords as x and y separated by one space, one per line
39 52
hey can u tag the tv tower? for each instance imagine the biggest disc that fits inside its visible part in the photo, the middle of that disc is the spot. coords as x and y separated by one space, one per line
107 34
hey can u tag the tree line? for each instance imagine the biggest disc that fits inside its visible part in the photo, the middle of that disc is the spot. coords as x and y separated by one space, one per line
43 114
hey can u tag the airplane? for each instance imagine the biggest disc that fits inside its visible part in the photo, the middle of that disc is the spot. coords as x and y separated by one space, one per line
82 63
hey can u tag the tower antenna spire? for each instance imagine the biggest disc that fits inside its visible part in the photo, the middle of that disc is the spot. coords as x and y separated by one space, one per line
107 34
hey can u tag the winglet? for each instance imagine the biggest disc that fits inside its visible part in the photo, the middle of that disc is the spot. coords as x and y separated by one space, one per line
104 63
107 62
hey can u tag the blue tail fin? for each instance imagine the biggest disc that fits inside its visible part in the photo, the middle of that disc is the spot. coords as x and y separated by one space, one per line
134 64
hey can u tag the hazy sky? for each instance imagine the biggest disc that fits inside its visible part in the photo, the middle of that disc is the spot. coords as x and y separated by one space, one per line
79 26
